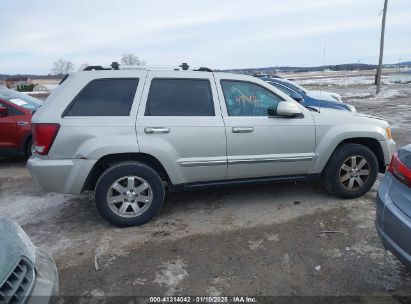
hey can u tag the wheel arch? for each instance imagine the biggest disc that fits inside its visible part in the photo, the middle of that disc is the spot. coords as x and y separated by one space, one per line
369 142
108 160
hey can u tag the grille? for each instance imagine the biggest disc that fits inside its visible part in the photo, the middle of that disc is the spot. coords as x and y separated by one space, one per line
18 284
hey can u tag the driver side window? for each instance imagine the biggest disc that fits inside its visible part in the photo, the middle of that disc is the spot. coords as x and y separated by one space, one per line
248 99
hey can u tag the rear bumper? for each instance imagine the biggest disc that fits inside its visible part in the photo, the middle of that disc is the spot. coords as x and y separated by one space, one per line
393 225
64 176
390 245
46 285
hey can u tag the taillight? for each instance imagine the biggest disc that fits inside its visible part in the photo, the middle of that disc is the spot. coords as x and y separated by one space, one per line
400 170
43 136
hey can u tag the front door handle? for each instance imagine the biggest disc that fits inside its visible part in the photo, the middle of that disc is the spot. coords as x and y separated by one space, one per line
157 130
22 123
243 129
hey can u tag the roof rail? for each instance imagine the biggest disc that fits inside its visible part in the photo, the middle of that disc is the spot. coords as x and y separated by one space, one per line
204 69
115 66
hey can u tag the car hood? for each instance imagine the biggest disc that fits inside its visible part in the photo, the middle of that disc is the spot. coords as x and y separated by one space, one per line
332 117
323 95
14 244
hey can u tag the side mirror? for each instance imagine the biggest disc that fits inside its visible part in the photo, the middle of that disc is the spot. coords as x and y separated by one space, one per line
285 109
3 111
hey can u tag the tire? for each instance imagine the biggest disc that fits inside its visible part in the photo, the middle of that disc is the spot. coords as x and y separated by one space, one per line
135 191
342 171
29 147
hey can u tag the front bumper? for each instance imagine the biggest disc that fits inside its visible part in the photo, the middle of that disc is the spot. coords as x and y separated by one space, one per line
393 225
60 175
46 285
388 149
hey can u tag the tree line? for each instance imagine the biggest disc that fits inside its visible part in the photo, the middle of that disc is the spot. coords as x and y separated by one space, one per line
63 67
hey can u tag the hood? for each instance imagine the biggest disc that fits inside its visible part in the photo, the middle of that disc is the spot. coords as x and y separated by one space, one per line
334 117
323 95
14 244
369 116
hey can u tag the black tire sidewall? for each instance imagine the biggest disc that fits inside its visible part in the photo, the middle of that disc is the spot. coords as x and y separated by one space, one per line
28 146
332 172
125 169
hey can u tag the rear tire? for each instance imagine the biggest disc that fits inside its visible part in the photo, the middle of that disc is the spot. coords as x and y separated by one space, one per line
129 194
351 171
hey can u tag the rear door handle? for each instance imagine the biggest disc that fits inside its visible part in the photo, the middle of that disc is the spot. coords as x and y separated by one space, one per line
156 130
22 123
243 129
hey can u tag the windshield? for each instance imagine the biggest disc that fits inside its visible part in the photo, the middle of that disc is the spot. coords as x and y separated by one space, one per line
294 85
19 99
283 89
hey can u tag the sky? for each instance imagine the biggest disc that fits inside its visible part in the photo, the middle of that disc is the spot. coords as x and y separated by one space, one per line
218 34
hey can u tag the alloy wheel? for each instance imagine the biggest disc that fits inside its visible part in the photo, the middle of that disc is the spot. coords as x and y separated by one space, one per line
129 196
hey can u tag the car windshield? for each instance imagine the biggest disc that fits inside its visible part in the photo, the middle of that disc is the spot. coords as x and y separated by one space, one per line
19 99
294 85
283 89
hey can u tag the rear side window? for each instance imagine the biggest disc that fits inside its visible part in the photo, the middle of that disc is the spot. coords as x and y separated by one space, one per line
180 97
104 97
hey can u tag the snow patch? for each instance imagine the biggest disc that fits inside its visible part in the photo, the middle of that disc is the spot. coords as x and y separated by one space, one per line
254 245
171 275
387 93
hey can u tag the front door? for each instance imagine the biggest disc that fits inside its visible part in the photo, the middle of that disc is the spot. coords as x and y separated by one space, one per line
258 145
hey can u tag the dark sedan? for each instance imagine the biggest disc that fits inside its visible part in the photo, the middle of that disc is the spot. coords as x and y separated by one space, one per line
394 207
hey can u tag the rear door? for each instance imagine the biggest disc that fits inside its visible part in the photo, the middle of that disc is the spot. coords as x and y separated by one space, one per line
179 122
9 131
258 145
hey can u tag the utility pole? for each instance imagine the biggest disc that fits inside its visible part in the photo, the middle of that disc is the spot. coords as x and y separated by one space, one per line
379 70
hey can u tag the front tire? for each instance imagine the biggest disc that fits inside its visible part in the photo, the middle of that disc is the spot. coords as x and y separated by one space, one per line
351 171
129 194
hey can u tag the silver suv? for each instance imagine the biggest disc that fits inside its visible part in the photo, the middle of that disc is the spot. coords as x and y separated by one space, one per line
128 135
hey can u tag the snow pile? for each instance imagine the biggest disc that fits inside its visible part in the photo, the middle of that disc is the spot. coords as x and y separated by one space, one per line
342 81
387 93
357 95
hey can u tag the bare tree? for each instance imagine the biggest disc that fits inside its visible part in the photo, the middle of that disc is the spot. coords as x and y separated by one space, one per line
62 67
131 59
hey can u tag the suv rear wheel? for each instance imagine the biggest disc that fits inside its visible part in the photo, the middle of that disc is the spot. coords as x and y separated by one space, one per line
129 194
351 171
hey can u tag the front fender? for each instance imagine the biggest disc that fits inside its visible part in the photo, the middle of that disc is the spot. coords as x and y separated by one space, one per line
328 138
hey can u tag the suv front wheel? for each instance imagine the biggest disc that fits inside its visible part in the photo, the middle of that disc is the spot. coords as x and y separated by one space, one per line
129 194
351 171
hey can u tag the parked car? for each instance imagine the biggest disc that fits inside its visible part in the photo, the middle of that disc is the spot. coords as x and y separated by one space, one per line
394 206
322 95
27 274
16 110
128 135
307 100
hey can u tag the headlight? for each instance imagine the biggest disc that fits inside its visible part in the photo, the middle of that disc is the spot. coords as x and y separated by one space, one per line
352 108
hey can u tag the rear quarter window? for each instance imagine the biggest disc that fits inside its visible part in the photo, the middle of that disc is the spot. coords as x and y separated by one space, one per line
104 97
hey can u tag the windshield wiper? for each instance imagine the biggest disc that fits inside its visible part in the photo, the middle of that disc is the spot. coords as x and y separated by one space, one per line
312 109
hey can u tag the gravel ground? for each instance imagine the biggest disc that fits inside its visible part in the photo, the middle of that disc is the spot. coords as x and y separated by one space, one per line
264 240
